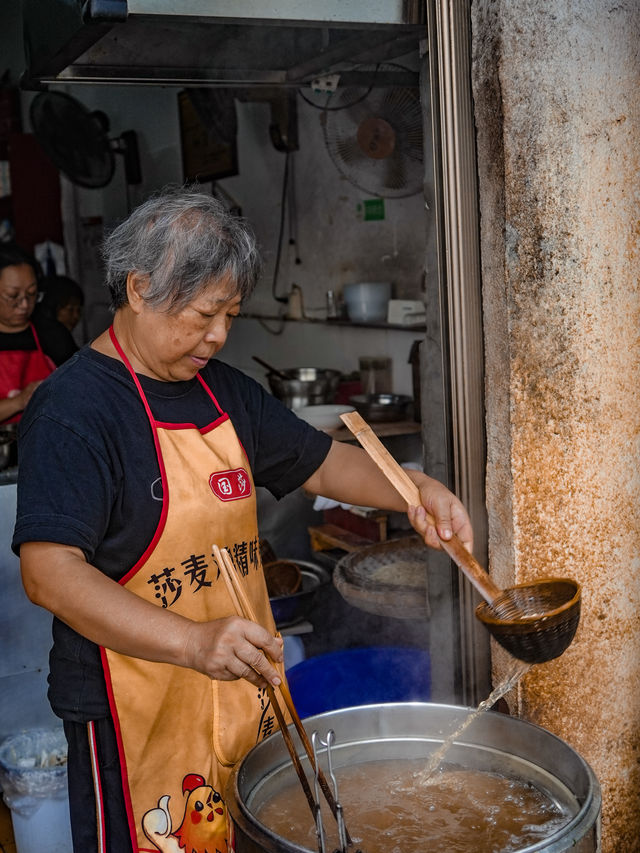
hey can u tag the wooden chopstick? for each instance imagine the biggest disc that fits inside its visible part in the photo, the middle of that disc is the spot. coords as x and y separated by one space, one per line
228 573
244 608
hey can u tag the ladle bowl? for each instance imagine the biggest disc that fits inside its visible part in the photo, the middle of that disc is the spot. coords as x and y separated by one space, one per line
534 622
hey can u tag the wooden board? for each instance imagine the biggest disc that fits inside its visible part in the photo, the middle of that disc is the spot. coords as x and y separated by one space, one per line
326 536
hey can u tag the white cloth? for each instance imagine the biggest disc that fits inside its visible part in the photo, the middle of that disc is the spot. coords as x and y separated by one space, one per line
51 254
321 503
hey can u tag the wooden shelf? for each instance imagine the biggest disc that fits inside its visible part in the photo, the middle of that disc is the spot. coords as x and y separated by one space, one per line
381 430
420 327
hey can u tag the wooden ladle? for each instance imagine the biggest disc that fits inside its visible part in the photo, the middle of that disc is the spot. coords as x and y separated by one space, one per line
534 622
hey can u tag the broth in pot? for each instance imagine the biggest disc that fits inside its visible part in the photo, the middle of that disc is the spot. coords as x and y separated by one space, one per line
389 810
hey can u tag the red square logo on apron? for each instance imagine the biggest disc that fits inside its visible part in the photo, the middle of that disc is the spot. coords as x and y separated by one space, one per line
230 485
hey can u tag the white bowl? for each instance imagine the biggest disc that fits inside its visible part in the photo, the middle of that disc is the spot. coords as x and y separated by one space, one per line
367 301
326 416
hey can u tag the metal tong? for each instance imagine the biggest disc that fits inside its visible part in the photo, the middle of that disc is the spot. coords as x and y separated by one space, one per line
343 837
243 608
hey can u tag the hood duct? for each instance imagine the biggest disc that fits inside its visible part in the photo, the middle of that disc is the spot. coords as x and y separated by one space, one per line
225 43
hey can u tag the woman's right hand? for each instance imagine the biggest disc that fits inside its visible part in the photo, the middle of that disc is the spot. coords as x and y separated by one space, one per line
232 648
59 578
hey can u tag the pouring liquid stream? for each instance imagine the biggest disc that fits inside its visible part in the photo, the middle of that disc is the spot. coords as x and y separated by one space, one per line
515 673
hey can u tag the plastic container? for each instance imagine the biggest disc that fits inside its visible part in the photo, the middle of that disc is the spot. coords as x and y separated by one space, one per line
366 301
33 776
356 677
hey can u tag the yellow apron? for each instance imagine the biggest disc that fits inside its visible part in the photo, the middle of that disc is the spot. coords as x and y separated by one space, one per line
179 732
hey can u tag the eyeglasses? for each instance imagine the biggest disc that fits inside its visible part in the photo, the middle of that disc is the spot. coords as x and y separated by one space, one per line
16 299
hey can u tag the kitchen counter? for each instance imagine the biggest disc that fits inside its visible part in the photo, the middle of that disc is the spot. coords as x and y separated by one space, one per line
383 430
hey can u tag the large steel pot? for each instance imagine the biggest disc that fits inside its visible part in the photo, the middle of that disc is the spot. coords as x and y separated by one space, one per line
493 742
304 386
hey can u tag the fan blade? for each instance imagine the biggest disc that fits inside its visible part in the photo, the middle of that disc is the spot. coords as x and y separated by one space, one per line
348 150
73 138
402 110
402 104
395 175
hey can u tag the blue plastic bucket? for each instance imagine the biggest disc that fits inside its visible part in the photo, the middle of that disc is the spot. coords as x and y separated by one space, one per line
366 676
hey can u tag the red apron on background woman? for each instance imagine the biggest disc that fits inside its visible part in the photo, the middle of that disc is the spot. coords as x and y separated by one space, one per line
179 732
20 367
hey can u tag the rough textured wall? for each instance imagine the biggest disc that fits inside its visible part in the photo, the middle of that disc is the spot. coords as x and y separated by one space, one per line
557 100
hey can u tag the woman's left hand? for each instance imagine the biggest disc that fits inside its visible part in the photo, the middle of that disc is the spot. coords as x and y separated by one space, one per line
349 475
443 507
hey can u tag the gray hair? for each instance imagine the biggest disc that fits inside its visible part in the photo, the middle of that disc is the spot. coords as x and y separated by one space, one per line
182 240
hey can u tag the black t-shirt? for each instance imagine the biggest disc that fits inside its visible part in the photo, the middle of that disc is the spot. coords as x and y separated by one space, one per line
89 477
55 339
22 340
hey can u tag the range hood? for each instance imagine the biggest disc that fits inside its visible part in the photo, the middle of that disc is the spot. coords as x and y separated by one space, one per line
229 43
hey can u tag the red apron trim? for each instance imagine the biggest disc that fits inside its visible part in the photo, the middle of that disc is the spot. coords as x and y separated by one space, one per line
202 430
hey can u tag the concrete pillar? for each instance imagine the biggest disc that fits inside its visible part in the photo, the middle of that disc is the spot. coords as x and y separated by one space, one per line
557 102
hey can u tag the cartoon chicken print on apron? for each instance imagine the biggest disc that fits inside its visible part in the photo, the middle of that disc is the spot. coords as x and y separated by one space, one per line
203 828
179 732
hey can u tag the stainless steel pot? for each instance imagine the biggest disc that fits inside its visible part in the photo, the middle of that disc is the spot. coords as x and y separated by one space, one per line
493 742
305 386
381 408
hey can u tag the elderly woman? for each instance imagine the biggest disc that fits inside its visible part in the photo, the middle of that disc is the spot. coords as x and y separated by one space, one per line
144 451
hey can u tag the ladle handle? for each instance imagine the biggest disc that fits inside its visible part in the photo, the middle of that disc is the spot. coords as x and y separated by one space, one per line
271 369
399 478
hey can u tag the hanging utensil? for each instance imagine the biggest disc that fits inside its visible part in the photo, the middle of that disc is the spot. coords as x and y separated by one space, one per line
534 622
279 373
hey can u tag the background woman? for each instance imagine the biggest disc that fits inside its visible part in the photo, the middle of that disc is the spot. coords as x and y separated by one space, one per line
23 362
57 314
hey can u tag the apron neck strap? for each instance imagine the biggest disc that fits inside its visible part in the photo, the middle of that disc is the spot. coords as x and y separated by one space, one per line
127 364
35 336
